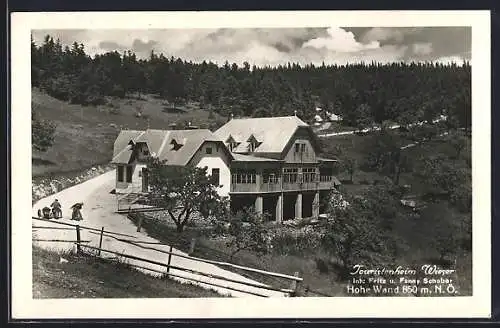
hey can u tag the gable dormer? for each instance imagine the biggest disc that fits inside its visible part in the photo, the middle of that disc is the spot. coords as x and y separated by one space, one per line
176 145
253 143
231 143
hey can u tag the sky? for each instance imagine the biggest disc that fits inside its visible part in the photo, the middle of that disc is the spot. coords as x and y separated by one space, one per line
274 46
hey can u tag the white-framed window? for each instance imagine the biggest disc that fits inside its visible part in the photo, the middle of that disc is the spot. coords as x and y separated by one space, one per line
244 177
309 174
270 176
290 175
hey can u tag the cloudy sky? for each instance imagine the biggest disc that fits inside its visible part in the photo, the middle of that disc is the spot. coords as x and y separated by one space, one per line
273 46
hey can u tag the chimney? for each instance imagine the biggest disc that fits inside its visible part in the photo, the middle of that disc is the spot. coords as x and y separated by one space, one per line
295 113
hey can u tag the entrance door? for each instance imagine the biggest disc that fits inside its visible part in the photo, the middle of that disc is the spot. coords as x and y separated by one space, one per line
145 180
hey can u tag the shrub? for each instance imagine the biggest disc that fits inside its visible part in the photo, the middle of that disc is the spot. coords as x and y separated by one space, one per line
295 242
247 231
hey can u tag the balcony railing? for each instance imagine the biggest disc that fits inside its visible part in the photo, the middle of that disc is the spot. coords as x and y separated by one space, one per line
321 183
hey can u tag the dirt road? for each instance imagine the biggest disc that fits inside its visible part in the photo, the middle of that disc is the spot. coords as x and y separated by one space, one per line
98 211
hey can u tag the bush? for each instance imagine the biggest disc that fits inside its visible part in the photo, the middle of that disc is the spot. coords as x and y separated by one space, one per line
42 132
295 242
247 231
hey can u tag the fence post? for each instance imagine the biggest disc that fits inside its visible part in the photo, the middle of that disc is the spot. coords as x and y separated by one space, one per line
100 242
169 259
78 239
192 245
295 285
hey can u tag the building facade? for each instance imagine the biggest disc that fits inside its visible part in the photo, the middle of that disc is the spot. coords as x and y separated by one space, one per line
276 167
271 164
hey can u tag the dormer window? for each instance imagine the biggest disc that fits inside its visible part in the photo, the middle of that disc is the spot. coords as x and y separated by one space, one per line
253 143
231 143
175 145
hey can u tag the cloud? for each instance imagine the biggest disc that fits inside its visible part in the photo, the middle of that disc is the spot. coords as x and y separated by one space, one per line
339 40
141 46
396 34
422 48
382 34
111 46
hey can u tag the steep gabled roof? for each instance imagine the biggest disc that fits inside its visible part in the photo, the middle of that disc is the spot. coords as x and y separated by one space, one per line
122 151
273 132
191 140
161 143
154 139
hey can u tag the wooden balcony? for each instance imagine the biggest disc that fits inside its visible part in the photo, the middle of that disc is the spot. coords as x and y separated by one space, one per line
323 183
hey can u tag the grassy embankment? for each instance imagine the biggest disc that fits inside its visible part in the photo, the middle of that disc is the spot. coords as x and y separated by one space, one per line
86 276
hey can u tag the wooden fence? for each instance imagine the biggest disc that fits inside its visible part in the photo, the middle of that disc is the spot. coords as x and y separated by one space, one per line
295 280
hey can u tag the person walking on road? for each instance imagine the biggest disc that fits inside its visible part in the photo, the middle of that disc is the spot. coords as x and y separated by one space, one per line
56 209
77 215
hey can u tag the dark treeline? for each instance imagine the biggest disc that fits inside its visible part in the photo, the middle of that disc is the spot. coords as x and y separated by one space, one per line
361 93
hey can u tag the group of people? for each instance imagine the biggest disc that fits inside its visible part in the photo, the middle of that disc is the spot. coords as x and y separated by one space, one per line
55 211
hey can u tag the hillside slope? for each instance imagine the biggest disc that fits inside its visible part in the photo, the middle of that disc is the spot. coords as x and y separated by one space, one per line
58 275
85 134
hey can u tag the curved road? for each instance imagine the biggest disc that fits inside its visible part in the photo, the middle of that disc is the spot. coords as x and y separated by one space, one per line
98 212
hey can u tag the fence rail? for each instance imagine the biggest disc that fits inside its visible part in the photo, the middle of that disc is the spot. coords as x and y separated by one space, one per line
82 227
51 228
196 272
295 279
219 263
62 240
196 280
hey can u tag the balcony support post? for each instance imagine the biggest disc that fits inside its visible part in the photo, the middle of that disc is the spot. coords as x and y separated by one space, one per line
258 205
298 206
315 205
279 208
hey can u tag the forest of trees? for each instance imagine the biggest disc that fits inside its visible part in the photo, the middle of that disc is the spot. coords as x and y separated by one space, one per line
361 93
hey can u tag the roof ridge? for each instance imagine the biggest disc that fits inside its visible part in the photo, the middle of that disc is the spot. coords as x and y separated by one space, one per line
163 143
259 118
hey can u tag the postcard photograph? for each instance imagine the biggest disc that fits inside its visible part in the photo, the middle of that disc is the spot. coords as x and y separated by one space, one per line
257 168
